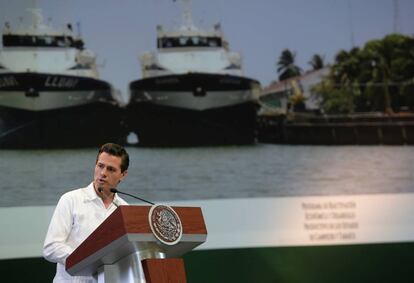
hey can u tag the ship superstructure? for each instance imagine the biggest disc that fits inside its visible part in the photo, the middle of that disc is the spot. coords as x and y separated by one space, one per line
193 90
50 91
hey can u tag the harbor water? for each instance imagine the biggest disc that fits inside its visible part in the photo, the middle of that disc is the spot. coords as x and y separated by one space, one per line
39 177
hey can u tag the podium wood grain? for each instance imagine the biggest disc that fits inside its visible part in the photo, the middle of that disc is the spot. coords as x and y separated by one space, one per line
169 270
129 220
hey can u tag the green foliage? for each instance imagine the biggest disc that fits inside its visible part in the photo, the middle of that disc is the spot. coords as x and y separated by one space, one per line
334 100
377 77
317 62
286 67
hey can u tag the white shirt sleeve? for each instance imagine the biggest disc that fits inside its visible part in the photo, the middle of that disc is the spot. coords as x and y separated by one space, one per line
55 248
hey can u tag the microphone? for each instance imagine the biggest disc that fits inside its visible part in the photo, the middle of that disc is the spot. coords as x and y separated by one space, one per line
100 190
113 190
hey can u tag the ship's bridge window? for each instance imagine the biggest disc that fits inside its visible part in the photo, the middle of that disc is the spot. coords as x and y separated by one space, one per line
212 42
48 40
203 41
186 41
195 40
11 40
42 40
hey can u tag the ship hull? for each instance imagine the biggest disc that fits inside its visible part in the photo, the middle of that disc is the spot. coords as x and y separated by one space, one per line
193 110
43 91
82 126
56 111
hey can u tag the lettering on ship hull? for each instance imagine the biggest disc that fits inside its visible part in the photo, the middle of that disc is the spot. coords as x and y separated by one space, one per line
8 81
60 82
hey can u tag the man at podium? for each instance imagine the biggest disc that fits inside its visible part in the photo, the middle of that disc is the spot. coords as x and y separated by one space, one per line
79 212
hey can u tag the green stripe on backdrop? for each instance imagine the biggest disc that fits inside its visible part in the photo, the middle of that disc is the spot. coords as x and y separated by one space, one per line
26 270
348 263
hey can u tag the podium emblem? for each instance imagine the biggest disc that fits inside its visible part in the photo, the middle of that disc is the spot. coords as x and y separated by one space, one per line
165 224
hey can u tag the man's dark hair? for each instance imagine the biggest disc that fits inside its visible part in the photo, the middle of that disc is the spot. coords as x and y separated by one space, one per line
116 150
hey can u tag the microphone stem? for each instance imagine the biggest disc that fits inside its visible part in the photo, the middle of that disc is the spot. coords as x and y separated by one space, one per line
136 197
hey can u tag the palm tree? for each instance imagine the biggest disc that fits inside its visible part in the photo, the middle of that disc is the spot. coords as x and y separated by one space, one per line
380 62
286 67
347 66
392 62
376 77
317 62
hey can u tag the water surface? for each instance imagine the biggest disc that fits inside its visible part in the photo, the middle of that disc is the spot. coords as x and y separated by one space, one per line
39 177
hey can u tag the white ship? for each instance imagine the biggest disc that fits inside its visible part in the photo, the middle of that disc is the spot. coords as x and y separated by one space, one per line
50 91
193 91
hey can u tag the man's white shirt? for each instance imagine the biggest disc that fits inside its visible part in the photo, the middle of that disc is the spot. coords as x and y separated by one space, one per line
77 214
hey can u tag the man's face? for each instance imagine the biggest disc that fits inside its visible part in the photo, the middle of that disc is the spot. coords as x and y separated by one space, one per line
108 172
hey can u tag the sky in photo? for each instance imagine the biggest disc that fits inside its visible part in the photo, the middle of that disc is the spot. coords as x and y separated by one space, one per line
119 31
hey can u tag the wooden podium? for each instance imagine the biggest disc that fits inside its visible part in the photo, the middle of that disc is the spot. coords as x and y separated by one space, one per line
124 249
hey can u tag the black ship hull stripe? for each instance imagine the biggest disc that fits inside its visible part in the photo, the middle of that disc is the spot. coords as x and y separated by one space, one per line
31 81
193 81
